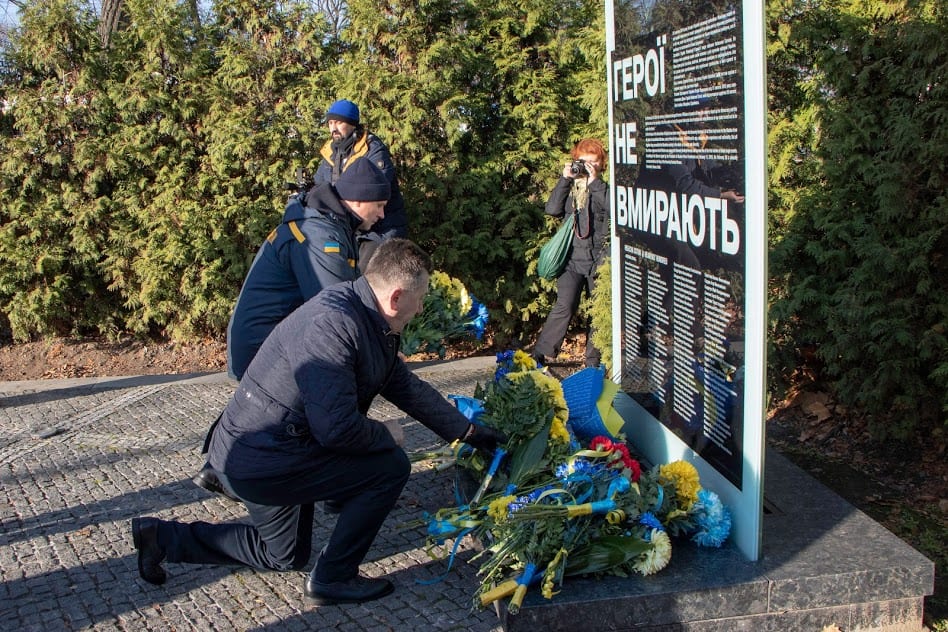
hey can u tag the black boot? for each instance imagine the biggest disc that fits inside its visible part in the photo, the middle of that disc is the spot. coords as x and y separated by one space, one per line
207 479
542 359
355 590
150 553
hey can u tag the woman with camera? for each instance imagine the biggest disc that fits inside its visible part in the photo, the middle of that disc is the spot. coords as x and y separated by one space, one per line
579 190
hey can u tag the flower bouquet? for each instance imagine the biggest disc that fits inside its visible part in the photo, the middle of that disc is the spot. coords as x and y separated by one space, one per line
449 313
549 505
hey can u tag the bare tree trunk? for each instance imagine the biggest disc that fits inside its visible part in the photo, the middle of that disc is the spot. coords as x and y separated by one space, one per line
109 20
335 12
195 16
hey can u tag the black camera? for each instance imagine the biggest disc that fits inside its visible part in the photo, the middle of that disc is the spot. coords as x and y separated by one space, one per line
302 184
578 168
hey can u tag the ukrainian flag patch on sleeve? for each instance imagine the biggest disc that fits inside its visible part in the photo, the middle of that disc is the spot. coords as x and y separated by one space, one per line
331 246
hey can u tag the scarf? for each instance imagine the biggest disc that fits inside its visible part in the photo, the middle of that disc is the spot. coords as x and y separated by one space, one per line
580 195
341 150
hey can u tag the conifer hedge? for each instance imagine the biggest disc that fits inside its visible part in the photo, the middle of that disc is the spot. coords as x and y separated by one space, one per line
139 180
859 204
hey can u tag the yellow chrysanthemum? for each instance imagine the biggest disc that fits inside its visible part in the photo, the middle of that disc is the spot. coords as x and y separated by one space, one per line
561 410
558 431
554 389
657 557
522 361
684 477
497 510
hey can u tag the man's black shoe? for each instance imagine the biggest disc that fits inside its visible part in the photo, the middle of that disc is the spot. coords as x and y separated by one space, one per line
150 553
356 590
543 360
207 478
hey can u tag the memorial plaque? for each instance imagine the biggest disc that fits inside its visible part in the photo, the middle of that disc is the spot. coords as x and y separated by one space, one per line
689 250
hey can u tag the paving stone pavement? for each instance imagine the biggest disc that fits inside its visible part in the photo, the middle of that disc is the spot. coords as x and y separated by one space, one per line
80 458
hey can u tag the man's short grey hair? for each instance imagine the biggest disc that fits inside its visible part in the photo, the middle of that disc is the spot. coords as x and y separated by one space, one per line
399 263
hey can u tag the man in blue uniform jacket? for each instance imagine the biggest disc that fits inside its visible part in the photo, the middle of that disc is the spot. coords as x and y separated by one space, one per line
313 247
296 432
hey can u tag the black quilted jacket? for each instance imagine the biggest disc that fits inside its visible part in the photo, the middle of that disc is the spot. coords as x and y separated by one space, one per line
308 390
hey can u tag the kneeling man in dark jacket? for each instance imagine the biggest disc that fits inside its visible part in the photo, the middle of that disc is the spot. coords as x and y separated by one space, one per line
296 432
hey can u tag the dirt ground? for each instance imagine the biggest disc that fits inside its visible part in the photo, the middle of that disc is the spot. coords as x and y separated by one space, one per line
903 486
68 358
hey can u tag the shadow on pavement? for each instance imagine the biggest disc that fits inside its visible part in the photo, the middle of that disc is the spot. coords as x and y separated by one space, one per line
39 391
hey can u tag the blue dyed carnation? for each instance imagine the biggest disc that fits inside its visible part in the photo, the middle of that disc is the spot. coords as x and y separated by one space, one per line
505 356
649 520
527 499
504 364
478 318
712 520
578 467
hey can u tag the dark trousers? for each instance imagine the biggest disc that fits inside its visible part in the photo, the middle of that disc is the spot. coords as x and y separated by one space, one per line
281 514
569 290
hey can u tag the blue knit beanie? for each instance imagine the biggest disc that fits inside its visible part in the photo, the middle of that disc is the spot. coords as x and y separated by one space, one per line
362 181
343 110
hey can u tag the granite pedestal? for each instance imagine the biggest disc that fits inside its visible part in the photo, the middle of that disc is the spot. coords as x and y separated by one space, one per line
823 563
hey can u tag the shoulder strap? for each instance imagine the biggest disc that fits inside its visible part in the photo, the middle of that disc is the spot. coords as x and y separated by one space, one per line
580 197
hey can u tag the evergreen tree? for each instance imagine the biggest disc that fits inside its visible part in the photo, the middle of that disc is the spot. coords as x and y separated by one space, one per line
862 261
154 151
50 214
259 127
792 140
478 101
209 129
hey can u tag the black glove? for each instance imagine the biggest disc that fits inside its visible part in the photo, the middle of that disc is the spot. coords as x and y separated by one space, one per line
483 438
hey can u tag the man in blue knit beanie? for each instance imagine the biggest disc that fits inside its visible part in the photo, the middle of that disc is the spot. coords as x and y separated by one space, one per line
348 143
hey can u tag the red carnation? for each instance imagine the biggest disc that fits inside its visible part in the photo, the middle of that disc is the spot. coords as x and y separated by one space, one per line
601 443
636 470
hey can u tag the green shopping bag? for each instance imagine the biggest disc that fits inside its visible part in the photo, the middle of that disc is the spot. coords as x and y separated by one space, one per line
555 253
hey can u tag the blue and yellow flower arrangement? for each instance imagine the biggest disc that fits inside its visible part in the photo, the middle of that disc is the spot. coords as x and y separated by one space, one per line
549 506
449 314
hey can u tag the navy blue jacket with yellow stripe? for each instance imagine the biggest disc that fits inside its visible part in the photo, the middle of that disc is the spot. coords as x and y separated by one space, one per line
370 147
313 247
